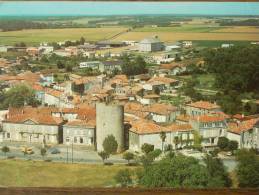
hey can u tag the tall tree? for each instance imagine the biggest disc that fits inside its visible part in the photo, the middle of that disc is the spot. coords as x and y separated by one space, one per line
163 137
247 169
5 150
110 145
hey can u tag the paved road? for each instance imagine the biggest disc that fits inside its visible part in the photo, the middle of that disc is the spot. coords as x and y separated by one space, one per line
80 155
84 155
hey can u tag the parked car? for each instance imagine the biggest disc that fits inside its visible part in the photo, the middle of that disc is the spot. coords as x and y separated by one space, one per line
54 151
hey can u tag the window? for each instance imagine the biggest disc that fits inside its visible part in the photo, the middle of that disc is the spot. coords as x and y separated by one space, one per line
81 140
67 139
8 135
75 140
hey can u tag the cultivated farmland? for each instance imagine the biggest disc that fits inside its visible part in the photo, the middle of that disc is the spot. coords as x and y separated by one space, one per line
37 36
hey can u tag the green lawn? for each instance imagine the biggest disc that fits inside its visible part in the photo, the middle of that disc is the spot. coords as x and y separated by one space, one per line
206 81
34 174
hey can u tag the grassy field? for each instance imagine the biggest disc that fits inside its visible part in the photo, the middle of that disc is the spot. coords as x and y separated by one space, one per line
176 36
36 36
183 28
216 43
34 174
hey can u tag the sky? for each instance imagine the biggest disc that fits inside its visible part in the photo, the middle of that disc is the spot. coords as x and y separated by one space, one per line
126 8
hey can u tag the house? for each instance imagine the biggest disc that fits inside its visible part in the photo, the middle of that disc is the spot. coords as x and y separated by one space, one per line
110 65
201 108
44 49
148 99
246 133
162 58
88 54
33 51
46 79
162 113
72 50
33 128
150 45
187 44
62 53
173 46
210 127
144 131
79 132
160 84
172 68
90 64
39 92
226 45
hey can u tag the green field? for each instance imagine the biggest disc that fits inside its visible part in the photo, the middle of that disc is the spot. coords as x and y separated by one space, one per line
20 173
211 43
36 36
183 28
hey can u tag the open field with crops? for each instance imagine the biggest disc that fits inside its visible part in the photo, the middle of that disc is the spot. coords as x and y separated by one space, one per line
167 34
36 36
176 36
35 174
182 28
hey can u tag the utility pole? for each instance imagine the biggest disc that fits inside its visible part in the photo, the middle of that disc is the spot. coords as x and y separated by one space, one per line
72 151
67 153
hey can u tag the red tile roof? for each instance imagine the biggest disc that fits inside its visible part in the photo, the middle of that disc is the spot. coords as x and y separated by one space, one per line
242 126
183 117
162 109
208 118
36 118
203 105
82 123
162 80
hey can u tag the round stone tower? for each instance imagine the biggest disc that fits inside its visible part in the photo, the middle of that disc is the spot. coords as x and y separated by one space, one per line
109 121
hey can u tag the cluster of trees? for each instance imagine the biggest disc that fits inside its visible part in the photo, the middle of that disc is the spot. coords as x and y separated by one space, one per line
11 25
248 168
178 171
248 22
15 24
133 66
236 71
18 96
81 41
227 145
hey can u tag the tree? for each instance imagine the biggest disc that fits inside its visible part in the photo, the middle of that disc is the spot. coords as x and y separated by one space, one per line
218 175
147 148
5 149
110 145
247 169
128 156
163 137
154 154
133 67
82 41
178 171
104 155
123 177
176 142
197 140
43 152
19 96
60 64
223 143
232 145
69 68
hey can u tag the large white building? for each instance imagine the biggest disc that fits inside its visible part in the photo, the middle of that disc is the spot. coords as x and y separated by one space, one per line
151 45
